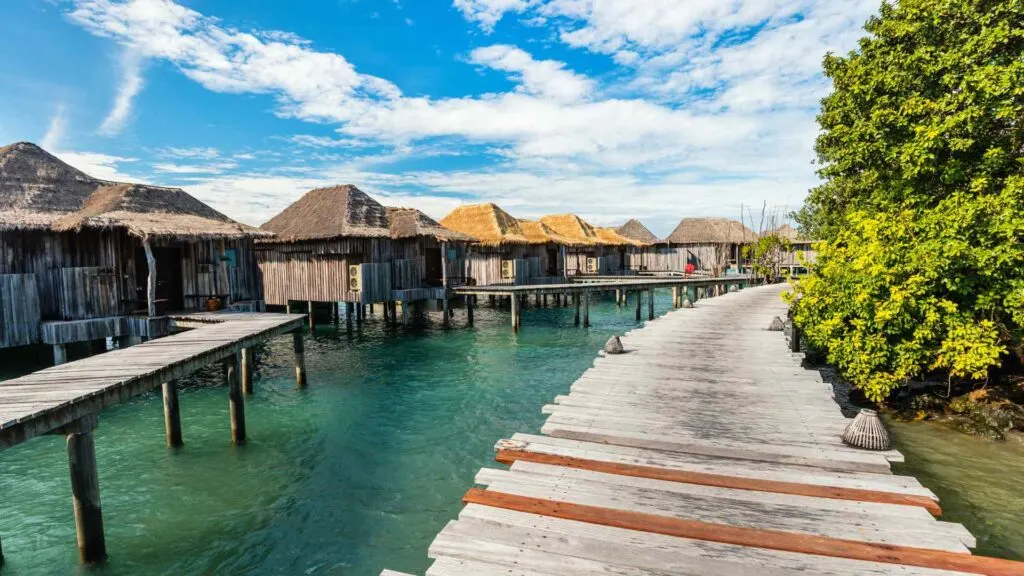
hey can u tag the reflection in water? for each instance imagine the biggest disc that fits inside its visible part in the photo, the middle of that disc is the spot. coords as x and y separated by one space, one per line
979 482
354 474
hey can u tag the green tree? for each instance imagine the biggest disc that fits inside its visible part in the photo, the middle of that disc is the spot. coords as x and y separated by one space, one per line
921 213
766 254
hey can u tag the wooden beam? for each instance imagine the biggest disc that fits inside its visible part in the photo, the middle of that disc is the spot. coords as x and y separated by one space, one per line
172 415
85 490
247 366
237 402
151 282
60 354
751 537
720 480
299 345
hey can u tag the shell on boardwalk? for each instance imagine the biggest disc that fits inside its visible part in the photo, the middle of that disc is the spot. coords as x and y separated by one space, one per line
866 431
777 325
613 346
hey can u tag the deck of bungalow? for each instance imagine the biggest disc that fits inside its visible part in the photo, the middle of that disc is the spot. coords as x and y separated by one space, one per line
68 399
706 448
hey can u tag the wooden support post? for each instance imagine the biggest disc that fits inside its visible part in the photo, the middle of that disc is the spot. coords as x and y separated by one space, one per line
335 313
794 337
172 415
237 403
60 354
1 554
85 489
544 301
312 316
247 371
371 309
469 309
300 358
515 313
405 312
288 307
586 309
349 309
444 309
639 304
576 304
151 281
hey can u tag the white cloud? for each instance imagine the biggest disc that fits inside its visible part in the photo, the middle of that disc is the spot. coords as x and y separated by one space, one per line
545 78
102 166
215 168
55 131
711 104
127 89
202 153
487 13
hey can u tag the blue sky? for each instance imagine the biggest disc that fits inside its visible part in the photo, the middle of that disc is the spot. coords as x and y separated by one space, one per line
656 109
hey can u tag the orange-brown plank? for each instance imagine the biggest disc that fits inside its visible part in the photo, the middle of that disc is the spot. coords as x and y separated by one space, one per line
751 537
722 481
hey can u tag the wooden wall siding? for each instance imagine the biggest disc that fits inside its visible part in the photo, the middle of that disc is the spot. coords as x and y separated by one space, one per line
483 263
19 310
99 328
318 271
207 270
89 293
46 253
802 250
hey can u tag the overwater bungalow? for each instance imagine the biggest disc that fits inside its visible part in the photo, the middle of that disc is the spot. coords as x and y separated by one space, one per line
801 251
586 253
629 256
712 245
83 259
338 244
505 253
646 258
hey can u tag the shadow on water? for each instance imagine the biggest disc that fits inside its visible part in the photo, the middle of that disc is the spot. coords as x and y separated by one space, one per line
355 473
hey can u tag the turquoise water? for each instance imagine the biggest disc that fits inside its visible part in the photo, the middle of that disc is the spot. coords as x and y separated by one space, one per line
354 474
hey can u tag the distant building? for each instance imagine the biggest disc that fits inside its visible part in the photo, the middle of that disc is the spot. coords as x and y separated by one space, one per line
77 254
643 257
801 252
713 245
338 244
505 252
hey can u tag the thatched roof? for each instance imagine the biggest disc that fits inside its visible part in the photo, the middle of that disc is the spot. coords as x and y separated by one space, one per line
411 223
791 234
540 233
635 230
488 223
612 237
40 192
332 212
573 227
710 231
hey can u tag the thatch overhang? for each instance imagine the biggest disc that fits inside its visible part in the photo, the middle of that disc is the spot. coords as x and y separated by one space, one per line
635 230
792 234
540 233
489 224
411 223
710 231
329 213
573 227
38 191
612 237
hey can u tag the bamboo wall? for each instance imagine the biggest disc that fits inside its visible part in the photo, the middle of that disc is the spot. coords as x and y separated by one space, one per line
532 262
318 271
92 274
802 254
19 310
704 256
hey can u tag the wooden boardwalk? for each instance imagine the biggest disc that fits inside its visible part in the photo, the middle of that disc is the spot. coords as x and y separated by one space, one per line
705 449
66 399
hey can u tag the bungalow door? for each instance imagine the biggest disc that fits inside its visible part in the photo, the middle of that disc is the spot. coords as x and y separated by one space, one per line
169 282
434 267
552 261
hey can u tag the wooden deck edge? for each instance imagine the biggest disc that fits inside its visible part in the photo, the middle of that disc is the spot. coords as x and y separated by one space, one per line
750 537
718 480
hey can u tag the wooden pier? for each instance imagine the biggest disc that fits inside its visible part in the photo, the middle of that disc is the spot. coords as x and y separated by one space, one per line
66 399
705 449
579 293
